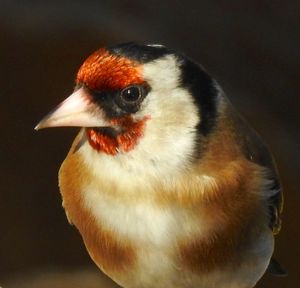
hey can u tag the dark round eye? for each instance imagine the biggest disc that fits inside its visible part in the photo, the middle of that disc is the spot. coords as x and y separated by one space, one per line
131 94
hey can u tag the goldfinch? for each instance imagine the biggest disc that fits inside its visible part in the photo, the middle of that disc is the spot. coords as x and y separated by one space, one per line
167 184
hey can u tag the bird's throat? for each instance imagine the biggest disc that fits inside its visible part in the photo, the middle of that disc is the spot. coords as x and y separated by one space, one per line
122 136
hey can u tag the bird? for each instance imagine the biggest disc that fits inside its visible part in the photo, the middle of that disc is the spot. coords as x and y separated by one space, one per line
166 182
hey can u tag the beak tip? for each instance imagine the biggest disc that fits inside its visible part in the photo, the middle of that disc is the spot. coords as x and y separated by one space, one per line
41 125
44 123
37 127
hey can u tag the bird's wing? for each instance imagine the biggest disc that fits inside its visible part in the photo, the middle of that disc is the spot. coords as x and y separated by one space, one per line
261 155
275 202
257 152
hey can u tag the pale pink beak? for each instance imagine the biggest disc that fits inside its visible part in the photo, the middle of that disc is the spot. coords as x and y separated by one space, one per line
77 110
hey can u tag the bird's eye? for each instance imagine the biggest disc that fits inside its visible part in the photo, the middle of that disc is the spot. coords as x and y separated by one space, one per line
131 94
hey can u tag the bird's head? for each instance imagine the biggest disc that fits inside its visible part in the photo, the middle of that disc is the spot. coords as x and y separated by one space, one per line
139 96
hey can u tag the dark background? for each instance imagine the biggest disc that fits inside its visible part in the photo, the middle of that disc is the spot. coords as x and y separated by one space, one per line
252 49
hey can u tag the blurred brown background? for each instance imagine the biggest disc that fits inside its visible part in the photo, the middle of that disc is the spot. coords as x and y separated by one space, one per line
252 49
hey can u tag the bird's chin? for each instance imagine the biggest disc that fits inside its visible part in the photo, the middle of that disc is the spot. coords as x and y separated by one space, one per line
103 139
123 135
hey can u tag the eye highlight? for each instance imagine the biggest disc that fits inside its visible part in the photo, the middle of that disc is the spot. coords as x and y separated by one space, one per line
131 94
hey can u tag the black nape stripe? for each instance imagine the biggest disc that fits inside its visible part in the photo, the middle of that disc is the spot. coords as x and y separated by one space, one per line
203 89
139 52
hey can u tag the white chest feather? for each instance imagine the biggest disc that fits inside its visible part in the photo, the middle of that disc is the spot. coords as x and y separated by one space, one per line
142 221
153 231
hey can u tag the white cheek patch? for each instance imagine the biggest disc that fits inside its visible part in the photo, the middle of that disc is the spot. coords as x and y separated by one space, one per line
162 74
170 135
